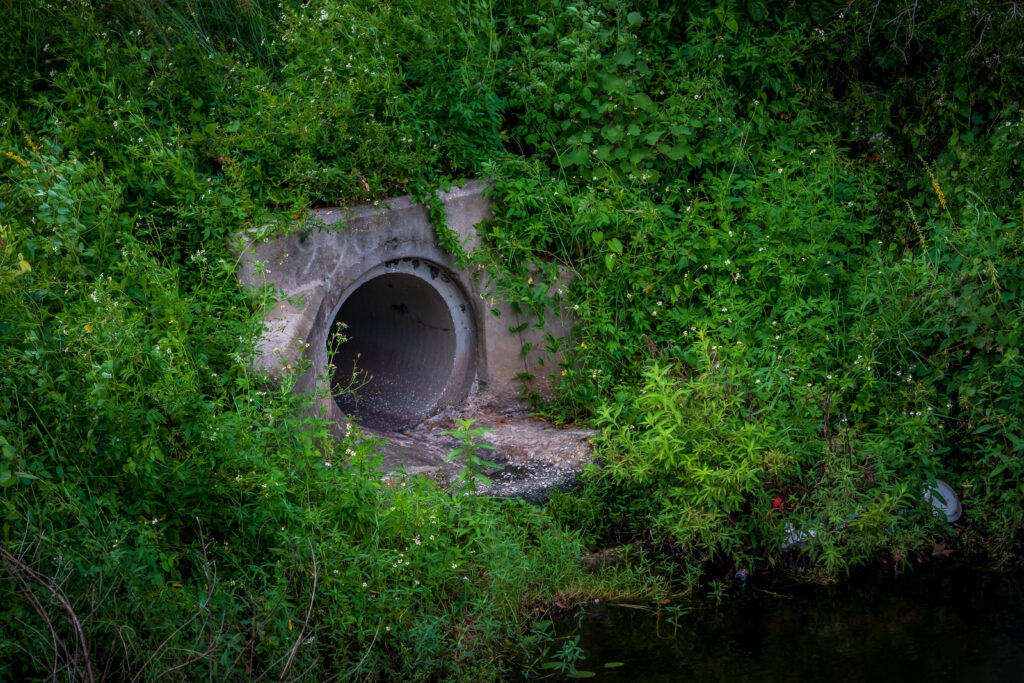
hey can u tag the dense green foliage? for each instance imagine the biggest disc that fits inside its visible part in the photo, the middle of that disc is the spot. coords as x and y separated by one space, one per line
191 516
795 235
771 305
784 322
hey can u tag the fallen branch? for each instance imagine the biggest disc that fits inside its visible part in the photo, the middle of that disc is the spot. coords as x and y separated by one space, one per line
25 574
211 582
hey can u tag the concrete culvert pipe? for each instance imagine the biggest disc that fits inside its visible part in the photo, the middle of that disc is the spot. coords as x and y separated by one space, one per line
409 347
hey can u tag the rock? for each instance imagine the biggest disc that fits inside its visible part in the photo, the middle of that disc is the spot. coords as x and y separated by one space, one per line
609 557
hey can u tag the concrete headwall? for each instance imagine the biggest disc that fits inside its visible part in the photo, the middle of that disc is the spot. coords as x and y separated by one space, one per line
433 317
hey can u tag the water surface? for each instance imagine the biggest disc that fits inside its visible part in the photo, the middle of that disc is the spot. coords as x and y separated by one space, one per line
946 624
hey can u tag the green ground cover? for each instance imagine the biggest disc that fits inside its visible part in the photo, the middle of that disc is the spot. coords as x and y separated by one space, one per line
796 239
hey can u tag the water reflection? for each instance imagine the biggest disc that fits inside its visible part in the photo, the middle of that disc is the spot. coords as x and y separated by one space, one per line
951 625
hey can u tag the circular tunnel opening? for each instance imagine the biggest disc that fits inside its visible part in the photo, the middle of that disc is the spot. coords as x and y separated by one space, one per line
407 341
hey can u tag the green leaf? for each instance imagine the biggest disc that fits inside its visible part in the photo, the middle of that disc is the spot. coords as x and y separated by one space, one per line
730 23
625 58
612 133
637 155
597 236
615 245
576 157
615 83
634 19
821 13
676 152
453 454
581 674
653 137
643 101
6 478
614 665
609 261
234 126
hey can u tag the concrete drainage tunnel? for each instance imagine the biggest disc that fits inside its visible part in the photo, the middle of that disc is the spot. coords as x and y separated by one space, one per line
373 302
403 344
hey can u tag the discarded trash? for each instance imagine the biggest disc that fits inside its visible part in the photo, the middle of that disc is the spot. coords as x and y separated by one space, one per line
795 537
941 496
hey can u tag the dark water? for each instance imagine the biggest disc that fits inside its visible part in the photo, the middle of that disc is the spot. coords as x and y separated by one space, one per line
945 625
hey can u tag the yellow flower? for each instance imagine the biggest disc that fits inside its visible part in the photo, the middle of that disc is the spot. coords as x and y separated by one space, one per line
937 188
938 192
14 157
88 328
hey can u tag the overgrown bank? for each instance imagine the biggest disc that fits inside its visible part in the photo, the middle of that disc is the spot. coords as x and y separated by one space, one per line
797 245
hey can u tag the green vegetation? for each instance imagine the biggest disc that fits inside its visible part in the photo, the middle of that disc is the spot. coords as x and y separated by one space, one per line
469 437
795 232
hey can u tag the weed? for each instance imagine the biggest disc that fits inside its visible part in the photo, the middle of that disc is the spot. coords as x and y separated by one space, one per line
472 464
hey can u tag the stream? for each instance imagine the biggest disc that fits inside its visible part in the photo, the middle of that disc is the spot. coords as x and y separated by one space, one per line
946 623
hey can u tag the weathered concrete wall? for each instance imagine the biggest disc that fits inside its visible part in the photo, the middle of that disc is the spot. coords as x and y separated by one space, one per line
319 270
